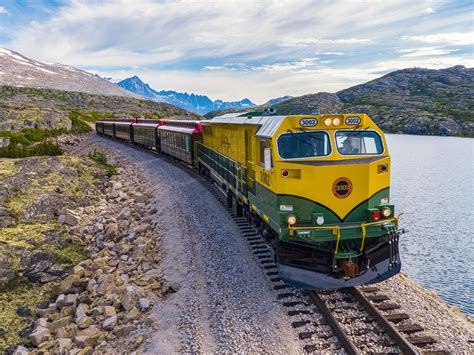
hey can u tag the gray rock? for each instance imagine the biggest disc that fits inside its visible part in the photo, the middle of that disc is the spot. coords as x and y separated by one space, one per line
109 323
71 218
37 263
97 227
21 350
99 240
112 231
144 304
40 335
124 214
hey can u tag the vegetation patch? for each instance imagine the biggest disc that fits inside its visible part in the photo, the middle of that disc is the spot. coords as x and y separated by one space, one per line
25 297
101 158
7 168
70 255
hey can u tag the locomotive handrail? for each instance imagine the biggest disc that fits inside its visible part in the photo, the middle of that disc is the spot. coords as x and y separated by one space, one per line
336 230
363 226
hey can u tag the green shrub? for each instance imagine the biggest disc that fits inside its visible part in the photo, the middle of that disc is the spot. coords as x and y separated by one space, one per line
20 151
101 158
45 148
28 136
77 124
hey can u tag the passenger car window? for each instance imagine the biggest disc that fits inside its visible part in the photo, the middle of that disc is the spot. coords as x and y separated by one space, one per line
307 144
359 143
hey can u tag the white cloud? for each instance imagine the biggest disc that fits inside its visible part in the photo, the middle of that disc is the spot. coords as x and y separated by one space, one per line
334 53
447 38
3 10
311 41
428 11
425 52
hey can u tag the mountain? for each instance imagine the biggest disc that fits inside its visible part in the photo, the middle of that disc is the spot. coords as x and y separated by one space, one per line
411 101
277 100
22 107
18 70
195 103
135 85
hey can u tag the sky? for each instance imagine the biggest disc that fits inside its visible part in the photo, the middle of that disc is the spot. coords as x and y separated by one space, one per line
242 49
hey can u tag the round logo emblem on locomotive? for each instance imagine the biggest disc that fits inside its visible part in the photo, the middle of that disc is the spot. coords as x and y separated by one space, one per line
342 187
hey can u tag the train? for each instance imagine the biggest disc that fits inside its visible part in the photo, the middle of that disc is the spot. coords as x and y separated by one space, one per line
317 187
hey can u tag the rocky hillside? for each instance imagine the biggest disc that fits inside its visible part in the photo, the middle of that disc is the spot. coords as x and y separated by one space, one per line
22 107
199 104
412 101
18 70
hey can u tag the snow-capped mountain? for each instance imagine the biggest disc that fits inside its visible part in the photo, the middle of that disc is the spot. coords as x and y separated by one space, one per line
277 100
196 103
18 70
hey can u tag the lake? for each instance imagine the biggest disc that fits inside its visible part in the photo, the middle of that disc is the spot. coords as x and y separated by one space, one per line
432 184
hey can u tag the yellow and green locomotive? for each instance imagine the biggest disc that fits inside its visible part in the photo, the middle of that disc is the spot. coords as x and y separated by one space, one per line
317 187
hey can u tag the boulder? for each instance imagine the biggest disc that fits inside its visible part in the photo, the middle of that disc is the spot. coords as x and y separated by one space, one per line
71 218
139 198
109 311
61 345
124 214
36 263
144 304
40 335
21 350
60 323
98 227
131 296
71 299
112 231
81 312
110 323
88 337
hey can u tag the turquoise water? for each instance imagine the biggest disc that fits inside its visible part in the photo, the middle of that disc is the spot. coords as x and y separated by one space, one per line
432 184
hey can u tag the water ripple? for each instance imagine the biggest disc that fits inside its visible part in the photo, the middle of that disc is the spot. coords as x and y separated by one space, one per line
432 184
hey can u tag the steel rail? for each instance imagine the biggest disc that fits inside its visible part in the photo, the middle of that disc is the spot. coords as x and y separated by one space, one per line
394 334
341 335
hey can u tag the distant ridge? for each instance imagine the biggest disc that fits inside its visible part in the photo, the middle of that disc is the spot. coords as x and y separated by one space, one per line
18 70
200 104
412 101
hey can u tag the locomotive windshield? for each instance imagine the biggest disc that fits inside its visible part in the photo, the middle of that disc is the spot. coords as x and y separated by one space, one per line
358 142
303 145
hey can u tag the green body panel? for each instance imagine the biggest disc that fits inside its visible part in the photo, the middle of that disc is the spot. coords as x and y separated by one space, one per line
266 202
267 205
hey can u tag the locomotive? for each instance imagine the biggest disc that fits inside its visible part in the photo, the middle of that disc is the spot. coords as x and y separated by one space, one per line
316 186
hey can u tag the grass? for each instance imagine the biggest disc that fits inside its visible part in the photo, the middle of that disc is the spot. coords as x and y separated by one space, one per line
100 158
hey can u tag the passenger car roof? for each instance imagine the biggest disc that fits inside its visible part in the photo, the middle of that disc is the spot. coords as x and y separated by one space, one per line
268 124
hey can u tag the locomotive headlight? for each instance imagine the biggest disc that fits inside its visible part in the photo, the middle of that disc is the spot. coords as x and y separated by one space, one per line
327 121
291 220
336 121
386 212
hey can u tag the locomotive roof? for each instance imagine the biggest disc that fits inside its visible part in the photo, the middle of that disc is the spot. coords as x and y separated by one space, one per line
268 124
